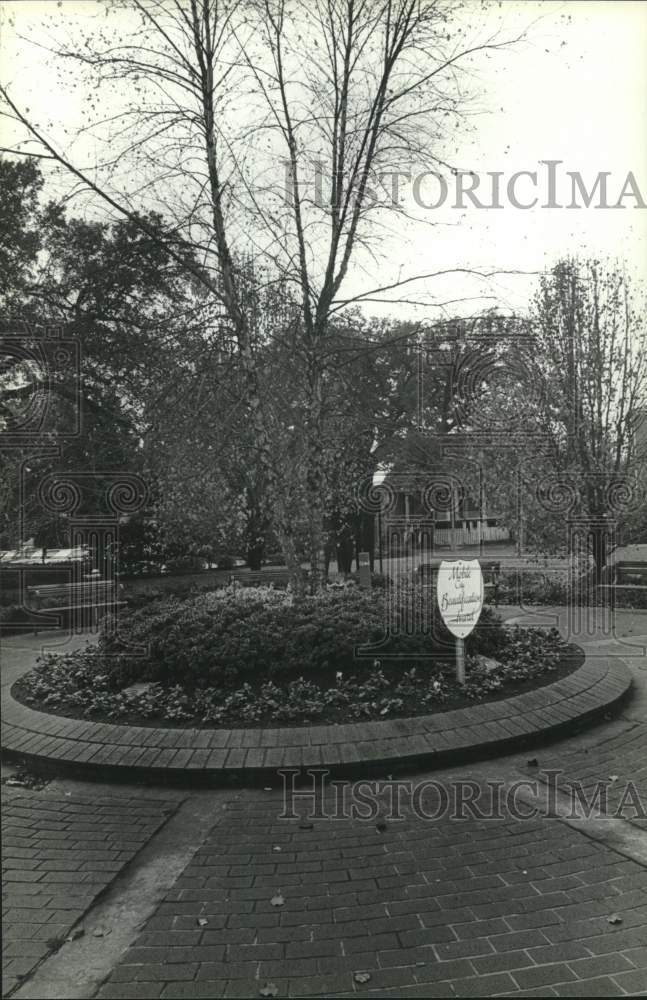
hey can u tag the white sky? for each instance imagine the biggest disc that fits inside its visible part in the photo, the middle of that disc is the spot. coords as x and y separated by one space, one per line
574 92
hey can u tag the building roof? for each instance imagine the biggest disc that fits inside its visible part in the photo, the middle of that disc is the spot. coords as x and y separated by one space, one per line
30 555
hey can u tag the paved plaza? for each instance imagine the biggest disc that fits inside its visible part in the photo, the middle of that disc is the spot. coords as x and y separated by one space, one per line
119 890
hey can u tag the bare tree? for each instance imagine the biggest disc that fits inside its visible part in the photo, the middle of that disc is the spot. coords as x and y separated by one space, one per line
209 106
589 379
562 428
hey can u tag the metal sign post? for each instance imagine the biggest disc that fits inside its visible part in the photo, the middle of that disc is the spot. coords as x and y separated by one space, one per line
460 661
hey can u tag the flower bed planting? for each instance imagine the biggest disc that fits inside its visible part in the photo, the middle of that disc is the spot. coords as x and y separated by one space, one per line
259 657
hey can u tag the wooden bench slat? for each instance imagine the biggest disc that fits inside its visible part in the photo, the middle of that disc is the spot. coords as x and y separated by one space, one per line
81 607
69 586
83 596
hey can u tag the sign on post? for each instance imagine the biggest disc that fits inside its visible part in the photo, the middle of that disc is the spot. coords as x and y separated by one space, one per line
459 591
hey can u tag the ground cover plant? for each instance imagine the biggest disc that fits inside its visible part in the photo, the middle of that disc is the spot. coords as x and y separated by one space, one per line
554 589
259 657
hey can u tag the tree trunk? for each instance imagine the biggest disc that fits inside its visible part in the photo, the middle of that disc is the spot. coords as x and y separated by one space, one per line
345 551
315 480
600 550
230 293
329 552
255 554
366 536
292 561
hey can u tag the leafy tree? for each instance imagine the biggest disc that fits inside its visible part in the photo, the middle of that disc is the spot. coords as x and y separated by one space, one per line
20 184
112 293
558 426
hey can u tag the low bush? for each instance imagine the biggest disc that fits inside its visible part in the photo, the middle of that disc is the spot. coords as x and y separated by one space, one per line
181 588
530 588
81 683
13 618
379 581
224 638
555 590
184 564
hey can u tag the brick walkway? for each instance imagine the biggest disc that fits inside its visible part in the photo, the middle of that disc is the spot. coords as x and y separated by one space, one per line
414 910
617 752
57 856
620 758
385 908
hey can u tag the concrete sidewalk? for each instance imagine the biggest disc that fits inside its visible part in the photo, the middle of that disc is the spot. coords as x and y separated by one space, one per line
58 855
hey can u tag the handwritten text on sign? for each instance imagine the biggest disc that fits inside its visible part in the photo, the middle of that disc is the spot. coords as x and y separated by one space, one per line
460 595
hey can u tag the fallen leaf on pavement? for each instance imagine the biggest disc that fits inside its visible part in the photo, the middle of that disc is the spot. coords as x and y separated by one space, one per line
269 990
202 921
25 779
362 977
615 918
277 900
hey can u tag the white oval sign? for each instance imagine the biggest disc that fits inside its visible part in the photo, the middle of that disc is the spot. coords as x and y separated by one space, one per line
459 591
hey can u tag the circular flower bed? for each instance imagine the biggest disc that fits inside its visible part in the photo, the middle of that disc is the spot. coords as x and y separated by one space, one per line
259 657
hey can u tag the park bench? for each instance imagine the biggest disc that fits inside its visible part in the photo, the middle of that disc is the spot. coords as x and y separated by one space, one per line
628 577
262 578
85 600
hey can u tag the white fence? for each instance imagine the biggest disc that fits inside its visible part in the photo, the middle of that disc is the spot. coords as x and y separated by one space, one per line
453 537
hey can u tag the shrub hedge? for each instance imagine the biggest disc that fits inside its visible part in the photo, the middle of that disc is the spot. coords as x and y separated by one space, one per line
534 588
223 639
81 683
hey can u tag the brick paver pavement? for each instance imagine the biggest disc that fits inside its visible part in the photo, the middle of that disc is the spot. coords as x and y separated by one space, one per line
58 854
402 908
410 908
605 770
615 753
